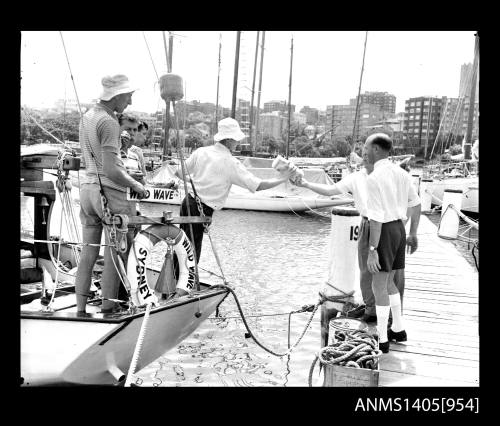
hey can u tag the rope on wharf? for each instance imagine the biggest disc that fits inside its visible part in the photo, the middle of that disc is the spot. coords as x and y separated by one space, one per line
356 349
250 334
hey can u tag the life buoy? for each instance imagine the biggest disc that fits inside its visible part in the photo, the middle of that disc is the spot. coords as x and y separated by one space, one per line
140 251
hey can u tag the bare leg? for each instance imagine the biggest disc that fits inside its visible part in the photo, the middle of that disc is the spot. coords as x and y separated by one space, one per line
90 234
391 286
110 279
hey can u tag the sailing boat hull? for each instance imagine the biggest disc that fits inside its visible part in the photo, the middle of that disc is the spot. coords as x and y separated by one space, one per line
249 201
62 348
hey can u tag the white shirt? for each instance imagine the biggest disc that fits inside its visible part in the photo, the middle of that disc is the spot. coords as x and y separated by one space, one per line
355 183
214 170
390 192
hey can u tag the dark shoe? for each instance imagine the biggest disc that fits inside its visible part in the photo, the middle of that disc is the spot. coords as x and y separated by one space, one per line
384 347
368 318
356 312
398 336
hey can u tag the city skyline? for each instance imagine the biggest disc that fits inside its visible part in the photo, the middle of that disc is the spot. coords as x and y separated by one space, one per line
326 65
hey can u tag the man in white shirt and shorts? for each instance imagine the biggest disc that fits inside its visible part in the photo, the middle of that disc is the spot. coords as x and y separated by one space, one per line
390 195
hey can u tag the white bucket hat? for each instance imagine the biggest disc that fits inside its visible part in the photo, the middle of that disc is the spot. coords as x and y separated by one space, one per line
229 129
115 85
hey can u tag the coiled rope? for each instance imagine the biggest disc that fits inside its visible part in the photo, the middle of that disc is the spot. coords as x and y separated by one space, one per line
356 349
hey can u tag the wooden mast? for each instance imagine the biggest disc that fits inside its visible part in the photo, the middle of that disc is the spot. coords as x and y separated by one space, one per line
235 79
354 129
289 99
217 98
166 123
428 126
252 142
472 102
260 87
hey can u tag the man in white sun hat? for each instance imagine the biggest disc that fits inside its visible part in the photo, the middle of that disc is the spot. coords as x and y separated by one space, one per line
213 170
105 170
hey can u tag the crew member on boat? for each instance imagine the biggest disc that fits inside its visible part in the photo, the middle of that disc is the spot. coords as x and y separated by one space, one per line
355 183
129 127
100 144
390 194
213 170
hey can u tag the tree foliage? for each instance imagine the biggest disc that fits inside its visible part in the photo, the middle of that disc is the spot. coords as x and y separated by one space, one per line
62 126
455 149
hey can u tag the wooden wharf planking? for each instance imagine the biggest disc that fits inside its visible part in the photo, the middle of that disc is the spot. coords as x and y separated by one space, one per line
441 315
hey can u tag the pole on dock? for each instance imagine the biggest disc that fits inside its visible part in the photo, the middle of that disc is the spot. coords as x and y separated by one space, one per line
416 182
425 195
448 226
343 268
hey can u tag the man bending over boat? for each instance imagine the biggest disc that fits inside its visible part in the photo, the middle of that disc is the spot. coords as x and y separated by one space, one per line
213 170
100 143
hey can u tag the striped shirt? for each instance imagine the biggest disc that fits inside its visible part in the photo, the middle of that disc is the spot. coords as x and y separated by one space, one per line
100 131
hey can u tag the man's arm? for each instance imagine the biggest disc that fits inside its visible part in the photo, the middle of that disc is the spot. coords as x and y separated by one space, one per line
414 215
271 183
320 188
375 214
372 263
118 174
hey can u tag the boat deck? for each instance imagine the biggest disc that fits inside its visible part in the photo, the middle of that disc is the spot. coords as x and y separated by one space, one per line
441 315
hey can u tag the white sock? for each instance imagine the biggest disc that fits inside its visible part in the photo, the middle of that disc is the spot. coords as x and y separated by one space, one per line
382 320
397 316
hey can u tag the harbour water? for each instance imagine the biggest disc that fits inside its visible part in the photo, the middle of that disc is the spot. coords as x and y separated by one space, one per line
276 263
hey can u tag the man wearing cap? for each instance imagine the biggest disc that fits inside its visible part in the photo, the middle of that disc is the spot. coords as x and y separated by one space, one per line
213 170
100 144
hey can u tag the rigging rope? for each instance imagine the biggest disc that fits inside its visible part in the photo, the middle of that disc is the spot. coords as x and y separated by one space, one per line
152 62
250 334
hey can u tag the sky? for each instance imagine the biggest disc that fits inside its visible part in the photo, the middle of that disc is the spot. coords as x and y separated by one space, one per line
326 65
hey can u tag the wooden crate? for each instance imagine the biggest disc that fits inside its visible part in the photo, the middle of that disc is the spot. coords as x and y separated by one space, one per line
339 376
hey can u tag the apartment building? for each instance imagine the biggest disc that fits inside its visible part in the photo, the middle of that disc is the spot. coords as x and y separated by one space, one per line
422 118
384 100
342 117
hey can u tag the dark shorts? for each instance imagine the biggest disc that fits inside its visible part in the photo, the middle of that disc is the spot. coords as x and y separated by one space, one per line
391 246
